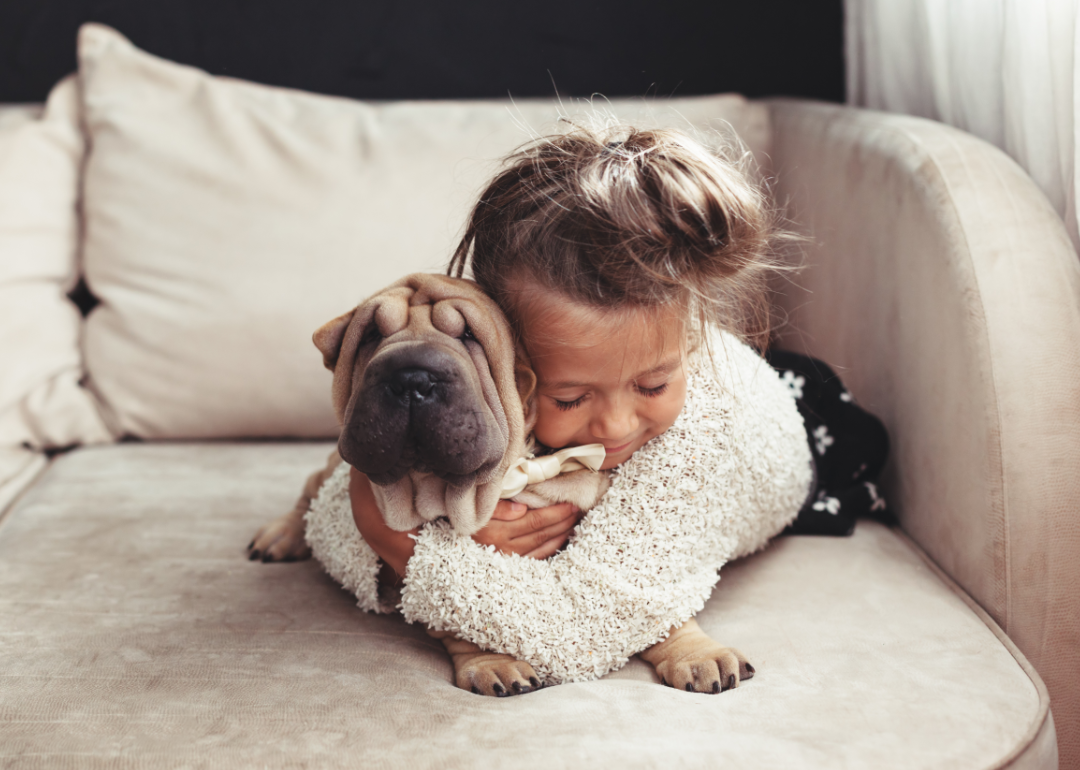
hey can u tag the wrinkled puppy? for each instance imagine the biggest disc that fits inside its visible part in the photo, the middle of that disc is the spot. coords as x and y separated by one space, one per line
426 388
429 390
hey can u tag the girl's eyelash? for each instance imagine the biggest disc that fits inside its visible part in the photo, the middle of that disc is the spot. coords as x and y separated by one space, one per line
566 406
652 392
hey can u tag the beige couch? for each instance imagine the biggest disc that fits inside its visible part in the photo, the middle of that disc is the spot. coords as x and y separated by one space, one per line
220 222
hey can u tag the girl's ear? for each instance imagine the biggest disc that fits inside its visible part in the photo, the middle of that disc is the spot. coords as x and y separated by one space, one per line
525 378
329 336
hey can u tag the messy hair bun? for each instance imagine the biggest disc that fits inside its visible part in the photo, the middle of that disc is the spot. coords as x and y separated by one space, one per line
620 217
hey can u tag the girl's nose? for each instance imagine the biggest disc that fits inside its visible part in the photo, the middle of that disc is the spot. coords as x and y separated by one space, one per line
614 423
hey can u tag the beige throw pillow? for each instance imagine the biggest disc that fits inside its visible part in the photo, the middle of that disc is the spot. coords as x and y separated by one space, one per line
42 404
226 221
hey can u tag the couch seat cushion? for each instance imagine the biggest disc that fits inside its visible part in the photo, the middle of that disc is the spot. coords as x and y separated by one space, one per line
134 633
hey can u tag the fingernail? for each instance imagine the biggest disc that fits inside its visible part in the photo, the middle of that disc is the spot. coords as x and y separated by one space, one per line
517 507
575 509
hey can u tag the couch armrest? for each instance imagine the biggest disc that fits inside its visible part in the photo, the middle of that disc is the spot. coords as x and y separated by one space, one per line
944 288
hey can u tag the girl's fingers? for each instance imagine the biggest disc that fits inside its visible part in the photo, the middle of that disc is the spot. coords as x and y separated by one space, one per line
550 548
537 519
508 511
538 538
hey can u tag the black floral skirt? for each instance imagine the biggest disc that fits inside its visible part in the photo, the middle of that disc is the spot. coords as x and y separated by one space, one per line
849 446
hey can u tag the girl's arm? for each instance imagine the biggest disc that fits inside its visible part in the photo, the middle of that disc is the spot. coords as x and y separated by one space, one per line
731 473
393 547
536 533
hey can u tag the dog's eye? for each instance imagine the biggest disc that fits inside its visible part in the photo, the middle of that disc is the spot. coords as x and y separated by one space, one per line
371 334
467 335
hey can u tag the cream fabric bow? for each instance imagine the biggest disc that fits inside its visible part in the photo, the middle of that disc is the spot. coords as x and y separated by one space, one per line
533 470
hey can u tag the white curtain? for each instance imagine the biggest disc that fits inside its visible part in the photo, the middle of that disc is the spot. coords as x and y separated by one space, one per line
1004 70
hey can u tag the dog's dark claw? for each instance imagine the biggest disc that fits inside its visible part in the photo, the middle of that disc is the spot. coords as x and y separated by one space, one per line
516 687
267 558
689 687
731 682
499 689
664 682
251 545
534 682
254 556
716 686
750 671
475 690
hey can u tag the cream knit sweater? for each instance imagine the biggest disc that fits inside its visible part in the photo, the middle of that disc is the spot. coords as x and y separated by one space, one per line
731 473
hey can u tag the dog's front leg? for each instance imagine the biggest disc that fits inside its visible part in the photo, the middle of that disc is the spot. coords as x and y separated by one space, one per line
690 660
487 673
283 538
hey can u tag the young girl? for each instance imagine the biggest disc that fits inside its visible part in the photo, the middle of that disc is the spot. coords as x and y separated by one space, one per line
632 266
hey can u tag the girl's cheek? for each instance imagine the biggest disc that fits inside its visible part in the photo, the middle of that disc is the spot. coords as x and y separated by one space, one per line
554 428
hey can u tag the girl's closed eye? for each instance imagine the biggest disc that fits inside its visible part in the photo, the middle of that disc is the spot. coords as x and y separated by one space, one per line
649 392
566 406
652 392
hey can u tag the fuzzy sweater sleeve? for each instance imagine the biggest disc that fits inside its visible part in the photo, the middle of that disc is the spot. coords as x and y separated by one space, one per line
731 472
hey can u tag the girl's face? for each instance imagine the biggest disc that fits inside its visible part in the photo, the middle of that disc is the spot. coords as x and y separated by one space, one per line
607 377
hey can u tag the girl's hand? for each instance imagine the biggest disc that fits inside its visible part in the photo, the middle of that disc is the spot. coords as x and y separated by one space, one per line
393 547
537 533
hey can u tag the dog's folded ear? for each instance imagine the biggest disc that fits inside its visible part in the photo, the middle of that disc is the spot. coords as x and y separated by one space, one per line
329 336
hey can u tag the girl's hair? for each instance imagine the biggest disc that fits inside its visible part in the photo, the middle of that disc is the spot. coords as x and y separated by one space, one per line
624 218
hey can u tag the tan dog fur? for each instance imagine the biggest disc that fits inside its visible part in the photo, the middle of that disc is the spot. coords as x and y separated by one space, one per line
409 311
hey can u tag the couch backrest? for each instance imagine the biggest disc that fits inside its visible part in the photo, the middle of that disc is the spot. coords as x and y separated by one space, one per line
224 221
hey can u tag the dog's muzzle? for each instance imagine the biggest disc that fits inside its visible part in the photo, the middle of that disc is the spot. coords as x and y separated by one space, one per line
417 409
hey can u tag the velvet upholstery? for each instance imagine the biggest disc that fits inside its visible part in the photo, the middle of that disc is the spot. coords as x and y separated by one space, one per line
134 633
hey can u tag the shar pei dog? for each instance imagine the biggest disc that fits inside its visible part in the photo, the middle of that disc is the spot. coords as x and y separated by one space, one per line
432 397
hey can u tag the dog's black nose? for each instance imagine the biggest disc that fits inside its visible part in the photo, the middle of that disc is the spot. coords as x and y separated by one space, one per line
413 383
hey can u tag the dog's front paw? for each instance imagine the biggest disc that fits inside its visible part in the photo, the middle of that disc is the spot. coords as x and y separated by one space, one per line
498 675
280 540
705 667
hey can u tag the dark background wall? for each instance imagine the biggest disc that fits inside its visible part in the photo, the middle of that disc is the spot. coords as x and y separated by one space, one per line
434 49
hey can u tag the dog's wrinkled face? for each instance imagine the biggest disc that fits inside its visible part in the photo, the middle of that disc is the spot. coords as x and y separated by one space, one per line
420 405
418 400
425 384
